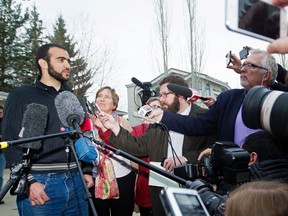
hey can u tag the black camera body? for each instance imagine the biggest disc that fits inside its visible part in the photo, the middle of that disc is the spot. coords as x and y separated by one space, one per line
193 171
228 163
227 167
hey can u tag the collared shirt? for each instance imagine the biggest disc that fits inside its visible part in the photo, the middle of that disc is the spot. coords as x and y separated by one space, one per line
241 131
177 138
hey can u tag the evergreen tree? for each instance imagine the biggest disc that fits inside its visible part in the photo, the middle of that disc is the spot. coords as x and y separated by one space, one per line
32 40
80 75
12 20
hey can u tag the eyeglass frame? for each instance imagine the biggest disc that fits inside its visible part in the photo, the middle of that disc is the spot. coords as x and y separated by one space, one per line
251 65
155 106
165 95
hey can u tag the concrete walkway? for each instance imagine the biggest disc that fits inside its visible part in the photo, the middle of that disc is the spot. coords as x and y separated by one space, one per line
9 207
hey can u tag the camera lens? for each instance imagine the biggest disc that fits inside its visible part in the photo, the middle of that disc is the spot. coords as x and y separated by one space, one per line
266 109
214 202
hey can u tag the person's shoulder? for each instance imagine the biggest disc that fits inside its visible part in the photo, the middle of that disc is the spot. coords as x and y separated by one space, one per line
232 92
22 89
196 109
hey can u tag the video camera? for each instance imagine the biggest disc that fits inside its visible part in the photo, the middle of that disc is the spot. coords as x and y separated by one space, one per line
227 165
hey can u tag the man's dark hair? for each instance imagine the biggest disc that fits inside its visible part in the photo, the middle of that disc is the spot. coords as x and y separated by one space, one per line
1 107
175 79
267 146
43 53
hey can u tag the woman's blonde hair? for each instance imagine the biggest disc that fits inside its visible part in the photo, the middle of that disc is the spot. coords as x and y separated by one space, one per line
265 198
152 99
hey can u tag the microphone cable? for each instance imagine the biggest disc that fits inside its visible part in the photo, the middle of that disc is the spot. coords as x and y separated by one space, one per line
169 141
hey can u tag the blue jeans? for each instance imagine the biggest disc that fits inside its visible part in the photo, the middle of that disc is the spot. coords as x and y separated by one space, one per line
66 193
2 167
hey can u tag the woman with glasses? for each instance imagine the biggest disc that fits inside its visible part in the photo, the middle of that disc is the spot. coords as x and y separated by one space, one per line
107 100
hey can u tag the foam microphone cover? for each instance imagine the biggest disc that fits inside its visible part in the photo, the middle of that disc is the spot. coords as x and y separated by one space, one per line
69 108
33 124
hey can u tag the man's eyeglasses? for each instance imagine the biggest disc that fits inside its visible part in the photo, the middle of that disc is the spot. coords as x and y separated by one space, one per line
165 94
252 66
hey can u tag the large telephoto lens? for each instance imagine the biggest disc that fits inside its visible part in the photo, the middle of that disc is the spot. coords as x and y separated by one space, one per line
266 109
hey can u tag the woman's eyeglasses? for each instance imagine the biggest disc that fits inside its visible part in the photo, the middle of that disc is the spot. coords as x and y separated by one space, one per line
155 107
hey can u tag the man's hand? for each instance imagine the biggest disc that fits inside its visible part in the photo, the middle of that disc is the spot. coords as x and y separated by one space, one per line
156 114
204 153
278 46
169 163
96 121
37 195
209 103
89 180
110 123
236 64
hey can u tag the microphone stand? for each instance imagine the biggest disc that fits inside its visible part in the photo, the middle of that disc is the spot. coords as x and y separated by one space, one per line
88 195
33 139
186 183
18 170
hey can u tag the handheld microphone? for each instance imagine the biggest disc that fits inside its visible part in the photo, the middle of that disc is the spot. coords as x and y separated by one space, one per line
192 95
145 110
137 115
34 124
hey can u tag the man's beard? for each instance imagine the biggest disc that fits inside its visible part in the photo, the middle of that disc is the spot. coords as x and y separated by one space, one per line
174 107
56 75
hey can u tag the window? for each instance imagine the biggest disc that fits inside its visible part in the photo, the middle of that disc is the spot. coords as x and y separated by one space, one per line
198 87
207 88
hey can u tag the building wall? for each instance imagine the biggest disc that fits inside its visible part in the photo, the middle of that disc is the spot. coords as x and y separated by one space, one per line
134 101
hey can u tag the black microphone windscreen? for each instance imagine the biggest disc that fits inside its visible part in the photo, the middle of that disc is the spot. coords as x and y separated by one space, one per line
68 106
181 90
33 124
138 83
